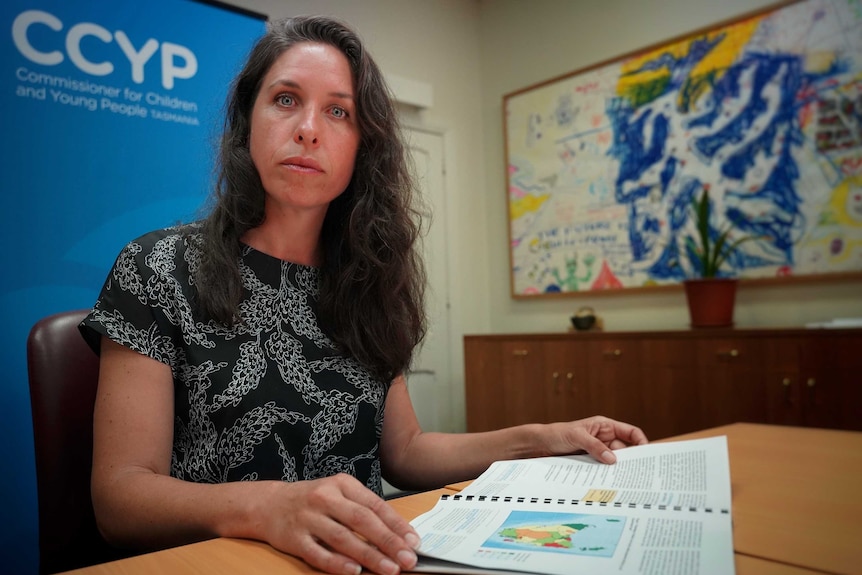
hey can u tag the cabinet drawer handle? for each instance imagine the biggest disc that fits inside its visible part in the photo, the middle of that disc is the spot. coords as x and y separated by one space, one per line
520 352
731 353
811 382
614 353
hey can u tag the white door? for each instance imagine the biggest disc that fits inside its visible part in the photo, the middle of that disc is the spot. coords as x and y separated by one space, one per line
429 380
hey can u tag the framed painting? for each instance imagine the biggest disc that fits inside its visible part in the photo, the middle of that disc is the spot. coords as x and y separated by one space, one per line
764 112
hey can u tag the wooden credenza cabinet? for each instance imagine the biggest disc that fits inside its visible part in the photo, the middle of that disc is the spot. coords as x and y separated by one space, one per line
669 382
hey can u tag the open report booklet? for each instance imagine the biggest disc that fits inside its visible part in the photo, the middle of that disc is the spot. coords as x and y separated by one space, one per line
661 509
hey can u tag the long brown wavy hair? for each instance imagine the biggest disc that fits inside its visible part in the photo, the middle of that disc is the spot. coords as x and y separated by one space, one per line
372 279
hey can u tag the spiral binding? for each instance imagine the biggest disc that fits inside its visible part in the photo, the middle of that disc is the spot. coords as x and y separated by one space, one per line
562 501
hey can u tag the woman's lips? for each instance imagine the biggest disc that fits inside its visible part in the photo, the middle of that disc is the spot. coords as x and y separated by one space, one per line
302 164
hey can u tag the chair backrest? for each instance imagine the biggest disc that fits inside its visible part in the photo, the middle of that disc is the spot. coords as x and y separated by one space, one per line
63 373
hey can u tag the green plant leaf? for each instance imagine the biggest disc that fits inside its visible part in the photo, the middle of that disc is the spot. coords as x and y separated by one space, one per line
710 254
702 212
719 253
730 249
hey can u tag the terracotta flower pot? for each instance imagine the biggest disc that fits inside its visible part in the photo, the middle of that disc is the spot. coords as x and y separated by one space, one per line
711 301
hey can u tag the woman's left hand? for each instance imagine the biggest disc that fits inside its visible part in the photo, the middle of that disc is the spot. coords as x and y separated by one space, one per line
596 435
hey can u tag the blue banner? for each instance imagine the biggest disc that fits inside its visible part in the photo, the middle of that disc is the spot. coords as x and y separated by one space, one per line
110 115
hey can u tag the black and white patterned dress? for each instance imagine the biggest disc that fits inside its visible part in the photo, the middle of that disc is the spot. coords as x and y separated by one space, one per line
272 397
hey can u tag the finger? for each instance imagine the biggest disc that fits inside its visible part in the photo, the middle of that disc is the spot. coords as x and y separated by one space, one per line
379 524
617 444
632 434
319 557
387 514
344 541
597 449
638 437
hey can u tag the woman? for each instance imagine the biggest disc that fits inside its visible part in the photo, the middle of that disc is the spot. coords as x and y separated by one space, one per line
251 380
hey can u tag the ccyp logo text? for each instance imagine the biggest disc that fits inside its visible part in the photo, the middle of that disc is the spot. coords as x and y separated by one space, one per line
177 62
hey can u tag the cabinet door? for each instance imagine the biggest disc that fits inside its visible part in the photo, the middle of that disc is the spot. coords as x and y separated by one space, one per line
849 381
831 381
614 379
503 383
522 389
782 380
731 381
670 387
566 385
482 397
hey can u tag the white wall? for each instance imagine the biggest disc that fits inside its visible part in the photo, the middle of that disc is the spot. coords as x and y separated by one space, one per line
523 43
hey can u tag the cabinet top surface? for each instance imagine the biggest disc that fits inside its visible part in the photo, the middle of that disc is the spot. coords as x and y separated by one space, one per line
679 333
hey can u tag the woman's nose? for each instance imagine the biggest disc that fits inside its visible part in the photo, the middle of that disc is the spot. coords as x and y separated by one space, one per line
306 130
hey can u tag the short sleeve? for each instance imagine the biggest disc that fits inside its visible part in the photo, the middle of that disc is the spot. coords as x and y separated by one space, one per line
139 296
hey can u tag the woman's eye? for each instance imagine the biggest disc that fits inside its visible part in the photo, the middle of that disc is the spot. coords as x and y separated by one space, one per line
339 112
285 100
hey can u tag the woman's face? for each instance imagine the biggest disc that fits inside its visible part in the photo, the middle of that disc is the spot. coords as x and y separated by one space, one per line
304 132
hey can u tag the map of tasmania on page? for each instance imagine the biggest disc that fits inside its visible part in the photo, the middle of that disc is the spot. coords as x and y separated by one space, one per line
662 509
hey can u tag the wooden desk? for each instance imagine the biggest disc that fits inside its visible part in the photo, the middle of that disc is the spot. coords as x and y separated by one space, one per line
796 494
797 510
746 565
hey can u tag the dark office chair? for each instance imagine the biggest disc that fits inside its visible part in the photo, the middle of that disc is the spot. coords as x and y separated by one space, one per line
63 373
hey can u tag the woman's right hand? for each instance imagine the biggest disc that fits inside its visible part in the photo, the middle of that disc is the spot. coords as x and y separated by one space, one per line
337 525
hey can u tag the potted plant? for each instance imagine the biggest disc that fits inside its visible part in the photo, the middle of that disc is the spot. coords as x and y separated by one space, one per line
711 294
